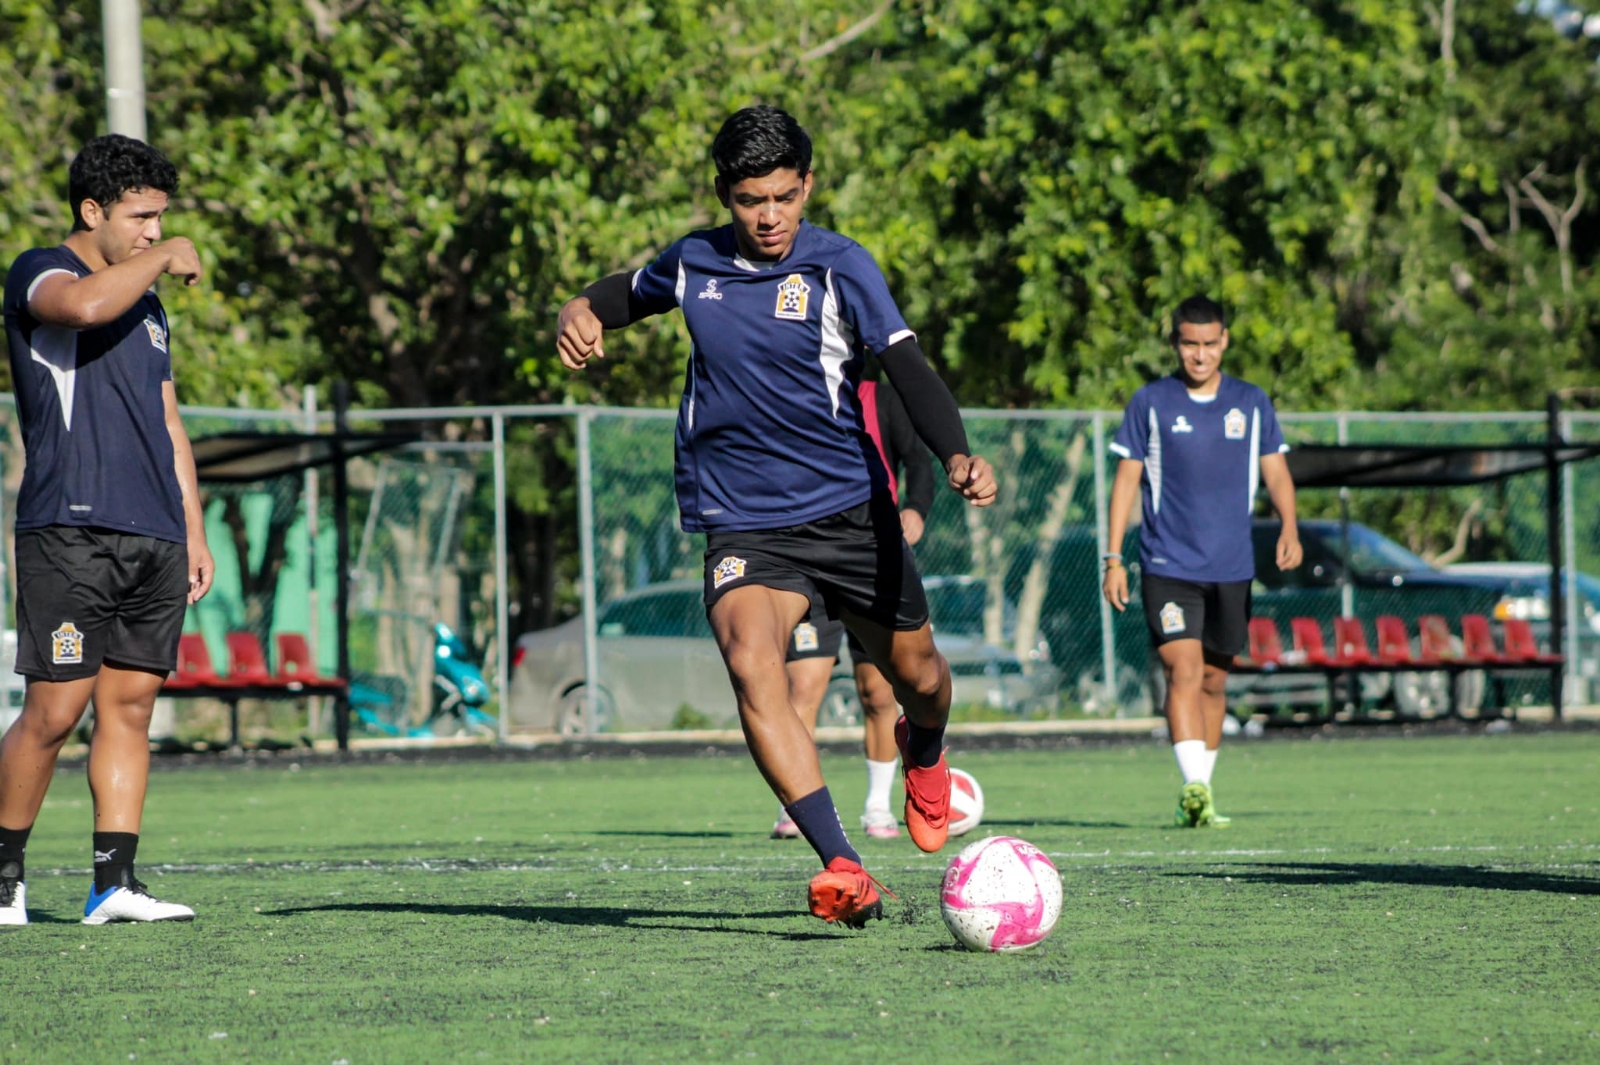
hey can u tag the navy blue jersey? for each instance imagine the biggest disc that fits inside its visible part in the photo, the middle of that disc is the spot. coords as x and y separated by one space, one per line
94 427
1202 466
770 431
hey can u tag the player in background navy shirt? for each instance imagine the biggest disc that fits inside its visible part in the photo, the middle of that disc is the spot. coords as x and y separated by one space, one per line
1197 445
775 466
110 540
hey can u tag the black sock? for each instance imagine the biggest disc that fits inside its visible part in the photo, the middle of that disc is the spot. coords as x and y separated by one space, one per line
13 842
113 859
818 822
924 746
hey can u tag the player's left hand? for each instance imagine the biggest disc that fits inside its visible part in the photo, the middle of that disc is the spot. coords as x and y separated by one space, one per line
1289 551
911 525
973 478
201 569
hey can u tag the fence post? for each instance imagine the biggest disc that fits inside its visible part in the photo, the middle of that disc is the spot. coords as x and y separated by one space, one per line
591 652
1569 521
1555 508
1347 590
1108 636
502 602
313 600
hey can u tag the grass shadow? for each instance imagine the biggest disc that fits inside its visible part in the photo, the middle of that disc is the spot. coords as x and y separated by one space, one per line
1317 874
582 916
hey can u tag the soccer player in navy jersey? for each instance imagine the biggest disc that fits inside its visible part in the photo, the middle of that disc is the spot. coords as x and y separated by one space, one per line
1197 445
774 466
814 645
110 539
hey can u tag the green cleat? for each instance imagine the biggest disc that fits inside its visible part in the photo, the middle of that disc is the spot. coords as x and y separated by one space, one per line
1195 808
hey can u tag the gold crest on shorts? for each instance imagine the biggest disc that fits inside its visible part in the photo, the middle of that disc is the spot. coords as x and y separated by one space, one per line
793 297
729 569
1172 619
805 637
66 645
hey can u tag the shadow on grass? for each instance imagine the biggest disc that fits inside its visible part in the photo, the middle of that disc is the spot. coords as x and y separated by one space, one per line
597 916
1463 876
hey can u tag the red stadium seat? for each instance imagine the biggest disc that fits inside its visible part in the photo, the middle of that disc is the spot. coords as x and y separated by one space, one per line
247 662
1266 647
1521 646
1350 642
1394 643
194 665
1477 641
1308 640
295 664
1437 643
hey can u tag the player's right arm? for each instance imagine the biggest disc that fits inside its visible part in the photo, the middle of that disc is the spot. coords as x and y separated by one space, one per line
613 302
61 298
1124 490
1131 444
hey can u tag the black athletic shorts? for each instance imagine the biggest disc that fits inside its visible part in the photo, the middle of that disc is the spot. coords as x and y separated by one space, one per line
856 561
1218 615
819 636
86 596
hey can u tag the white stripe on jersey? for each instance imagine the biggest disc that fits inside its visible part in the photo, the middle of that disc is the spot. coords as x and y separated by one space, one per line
55 347
1255 459
837 340
35 286
677 294
1152 461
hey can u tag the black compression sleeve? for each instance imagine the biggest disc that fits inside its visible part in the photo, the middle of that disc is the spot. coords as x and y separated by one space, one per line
906 451
610 299
928 402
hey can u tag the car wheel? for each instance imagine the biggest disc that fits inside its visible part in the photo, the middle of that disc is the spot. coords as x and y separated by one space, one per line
841 704
569 714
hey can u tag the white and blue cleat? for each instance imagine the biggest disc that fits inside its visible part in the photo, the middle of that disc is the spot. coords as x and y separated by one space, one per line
13 902
131 902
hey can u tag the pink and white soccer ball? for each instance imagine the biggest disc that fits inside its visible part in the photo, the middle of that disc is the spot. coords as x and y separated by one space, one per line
1001 894
966 802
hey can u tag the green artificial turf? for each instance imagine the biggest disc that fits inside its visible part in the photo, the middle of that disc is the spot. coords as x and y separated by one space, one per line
1399 899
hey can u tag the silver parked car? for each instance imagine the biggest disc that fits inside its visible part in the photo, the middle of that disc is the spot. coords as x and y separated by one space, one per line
656 655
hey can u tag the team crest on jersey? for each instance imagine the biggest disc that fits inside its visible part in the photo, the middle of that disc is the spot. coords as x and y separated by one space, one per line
729 569
793 297
1233 424
158 334
66 645
805 637
1171 619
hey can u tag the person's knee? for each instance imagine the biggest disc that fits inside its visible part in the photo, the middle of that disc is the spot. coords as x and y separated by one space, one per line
131 714
49 726
922 671
876 694
750 662
1214 682
1184 674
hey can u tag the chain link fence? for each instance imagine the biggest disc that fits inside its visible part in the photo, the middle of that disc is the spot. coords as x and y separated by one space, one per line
545 542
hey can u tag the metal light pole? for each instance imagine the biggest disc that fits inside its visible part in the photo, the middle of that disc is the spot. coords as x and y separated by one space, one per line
124 67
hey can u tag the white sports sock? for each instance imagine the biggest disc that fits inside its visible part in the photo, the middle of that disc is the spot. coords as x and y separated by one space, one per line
1210 763
880 778
1192 761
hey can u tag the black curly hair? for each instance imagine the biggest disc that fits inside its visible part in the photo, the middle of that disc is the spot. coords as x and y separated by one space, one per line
758 140
111 165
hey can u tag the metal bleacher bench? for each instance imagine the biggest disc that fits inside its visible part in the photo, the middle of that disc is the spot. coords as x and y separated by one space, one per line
248 676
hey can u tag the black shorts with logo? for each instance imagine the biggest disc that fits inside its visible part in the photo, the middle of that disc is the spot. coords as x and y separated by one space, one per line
819 636
1216 614
86 596
856 561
